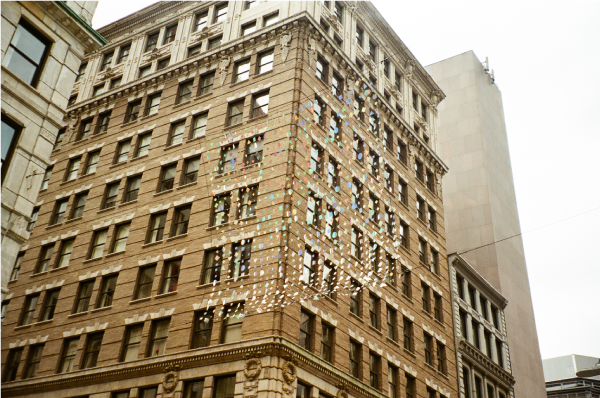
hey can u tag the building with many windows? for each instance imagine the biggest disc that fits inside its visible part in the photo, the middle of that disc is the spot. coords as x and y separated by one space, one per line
245 202
482 353
43 45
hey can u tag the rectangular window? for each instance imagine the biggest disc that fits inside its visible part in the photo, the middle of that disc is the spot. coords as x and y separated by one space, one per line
260 105
148 392
483 306
176 133
466 381
425 299
184 92
46 178
333 179
215 42
331 224
327 342
313 205
309 266
271 19
235 113
441 358
132 342
335 128
407 329
133 110
355 297
359 147
319 111
390 273
391 323
265 62
220 213
92 350
434 264
420 204
248 200
254 150
84 293
410 386
356 243
495 317
144 282
478 387
374 311
241 71
66 248
430 180
14 275
240 261
437 307
199 126
28 309
181 220
206 84
143 145
316 158
60 208
488 343
123 53
122 151
213 260
373 208
49 306
167 177
72 169
405 282
392 381
116 82
67 357
103 121
84 129
360 34
224 387
98 241
44 260
151 42
220 13
170 33
402 192
157 227
460 283
322 69
389 221
248 28
203 324
81 71
338 40
190 170
152 104
388 181
11 366
91 162
170 276
232 323
306 330
419 171
475 331
373 51
428 346
132 189
431 222
463 324
374 370
120 239
374 256
499 351
195 50
472 297
338 11
157 343
328 279
107 60
355 358
107 291
98 90
33 361
145 71
373 163
200 21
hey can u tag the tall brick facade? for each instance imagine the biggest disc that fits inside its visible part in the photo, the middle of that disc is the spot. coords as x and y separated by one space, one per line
285 237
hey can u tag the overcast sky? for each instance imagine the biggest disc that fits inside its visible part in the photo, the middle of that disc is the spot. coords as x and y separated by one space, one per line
546 59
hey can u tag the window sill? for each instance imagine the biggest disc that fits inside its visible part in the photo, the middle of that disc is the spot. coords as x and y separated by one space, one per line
246 219
259 75
187 185
257 165
375 330
129 123
203 96
406 249
117 164
105 210
237 279
23 326
163 192
58 269
239 83
73 219
108 307
214 227
176 237
195 138
392 341
173 146
78 314
356 317
128 203
89 260
148 116
87 175
441 323
407 297
43 322
54 225
412 354
114 254
330 299
139 157
207 285
166 294
151 244
427 313
140 300
235 125
182 104
39 274
257 118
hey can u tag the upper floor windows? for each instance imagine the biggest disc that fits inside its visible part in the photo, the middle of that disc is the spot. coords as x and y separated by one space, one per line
133 110
123 53
373 51
235 113
170 33
200 21
107 60
271 19
206 83
81 71
220 13
151 41
360 36
27 53
260 105
242 71
184 93
265 62
248 28
338 11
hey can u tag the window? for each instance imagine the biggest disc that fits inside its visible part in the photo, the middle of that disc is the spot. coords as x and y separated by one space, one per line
338 11
215 42
373 51
151 42
374 311
499 351
260 105
478 387
132 342
170 33
84 129
49 305
170 276
46 178
72 169
309 267
355 297
157 227
460 283
44 260
110 195
430 180
122 151
389 221
426 300
167 177
359 36
265 62
391 323
431 222
224 387
355 358
81 72
322 69
242 71
14 275
158 337
313 204
319 111
359 147
488 343
420 203
199 126
220 13
475 331
58 214
306 330
335 128
270 19
29 307
390 275
27 53
331 222
195 50
235 113
332 172
434 265
374 256
4 308
120 238
67 357
402 192
240 261
144 71
428 346
144 282
176 133
373 162
33 361
107 60
248 200
221 205
405 277
98 241
152 104
143 145
338 40
441 358
203 324
248 28
392 381
12 364
213 260
132 189
107 291
84 293
92 350
373 207
495 317
34 216
407 329
206 84
316 159
374 369
254 150
466 380
437 307
326 342
463 323
116 82
148 392
200 21
99 89
190 170
360 67
328 279
483 305
472 297
419 171
184 92
250 4
232 323
356 243
66 248
91 162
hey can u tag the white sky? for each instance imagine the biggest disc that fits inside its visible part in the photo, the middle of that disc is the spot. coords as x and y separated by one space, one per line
546 59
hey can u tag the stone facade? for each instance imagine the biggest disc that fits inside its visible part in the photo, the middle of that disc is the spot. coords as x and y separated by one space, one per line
36 108
150 305
482 352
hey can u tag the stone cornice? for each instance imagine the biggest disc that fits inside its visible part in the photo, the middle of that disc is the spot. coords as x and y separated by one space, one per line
474 355
466 270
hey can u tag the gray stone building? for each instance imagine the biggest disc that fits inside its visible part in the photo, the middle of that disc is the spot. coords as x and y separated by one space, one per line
480 203
43 44
482 351
561 378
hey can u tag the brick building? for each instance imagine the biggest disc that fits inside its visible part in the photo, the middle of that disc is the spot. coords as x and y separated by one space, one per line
245 202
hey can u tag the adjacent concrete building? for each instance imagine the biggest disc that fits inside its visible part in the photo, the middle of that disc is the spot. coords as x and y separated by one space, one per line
43 44
245 203
482 351
480 204
561 378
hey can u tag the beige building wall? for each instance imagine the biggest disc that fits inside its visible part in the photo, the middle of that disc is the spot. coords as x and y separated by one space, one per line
480 203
